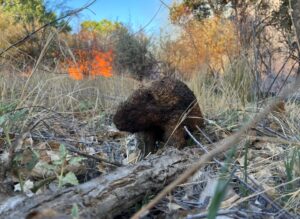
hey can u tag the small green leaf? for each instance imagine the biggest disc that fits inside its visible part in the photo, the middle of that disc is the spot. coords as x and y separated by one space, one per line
76 160
75 211
3 119
62 151
58 162
48 167
70 178
18 156
18 115
34 160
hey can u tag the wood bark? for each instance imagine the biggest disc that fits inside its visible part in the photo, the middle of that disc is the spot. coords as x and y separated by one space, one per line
109 195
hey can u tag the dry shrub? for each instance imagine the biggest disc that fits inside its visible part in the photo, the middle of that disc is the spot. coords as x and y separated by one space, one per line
209 41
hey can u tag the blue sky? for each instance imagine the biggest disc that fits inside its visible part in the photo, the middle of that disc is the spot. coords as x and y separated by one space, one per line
135 12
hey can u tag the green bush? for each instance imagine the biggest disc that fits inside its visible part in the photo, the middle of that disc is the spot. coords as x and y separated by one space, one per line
18 19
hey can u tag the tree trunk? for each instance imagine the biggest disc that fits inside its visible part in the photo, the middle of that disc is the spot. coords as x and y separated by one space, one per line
296 16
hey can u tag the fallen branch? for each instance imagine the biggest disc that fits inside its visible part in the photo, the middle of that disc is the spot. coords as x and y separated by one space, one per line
109 195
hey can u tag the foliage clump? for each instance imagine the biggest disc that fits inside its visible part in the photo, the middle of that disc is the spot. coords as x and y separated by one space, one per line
21 18
132 54
210 41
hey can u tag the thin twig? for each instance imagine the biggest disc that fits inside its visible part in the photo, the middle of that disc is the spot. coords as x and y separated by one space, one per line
229 212
286 78
201 145
74 150
205 214
165 4
274 140
274 132
277 75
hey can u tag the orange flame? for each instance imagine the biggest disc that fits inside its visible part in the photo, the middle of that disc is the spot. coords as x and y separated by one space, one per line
93 63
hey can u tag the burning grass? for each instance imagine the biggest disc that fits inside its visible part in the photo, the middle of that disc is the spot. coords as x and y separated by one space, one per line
90 63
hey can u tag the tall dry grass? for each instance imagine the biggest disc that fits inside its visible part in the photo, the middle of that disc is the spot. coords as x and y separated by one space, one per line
60 92
231 90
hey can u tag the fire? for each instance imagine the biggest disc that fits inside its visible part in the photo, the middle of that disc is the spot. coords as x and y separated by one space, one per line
93 63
